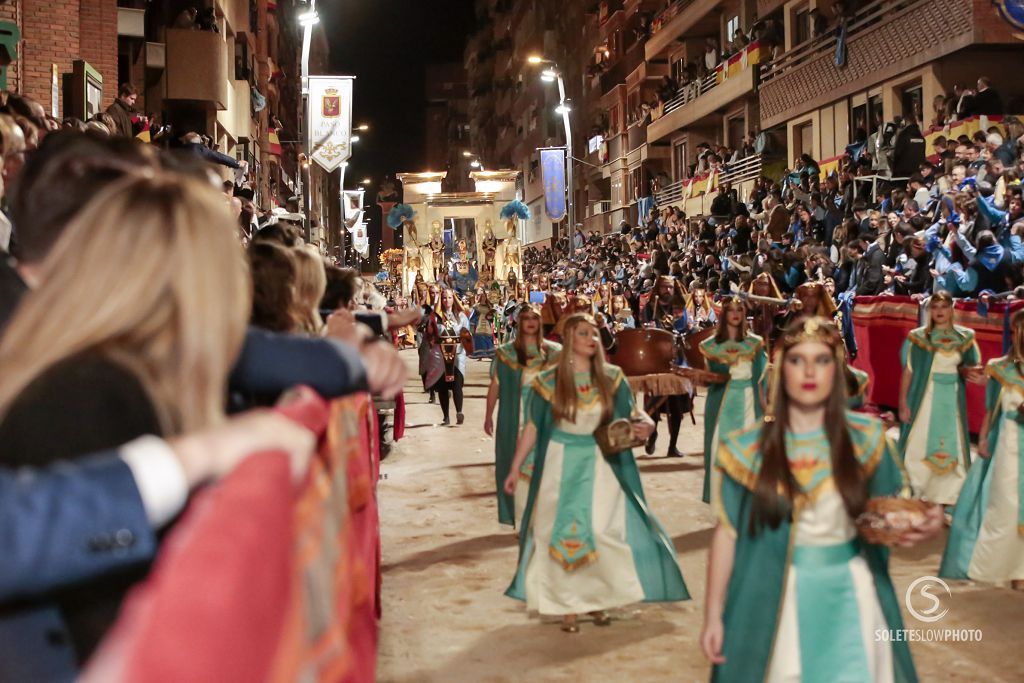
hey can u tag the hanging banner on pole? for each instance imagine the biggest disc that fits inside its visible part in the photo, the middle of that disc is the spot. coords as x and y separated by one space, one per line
552 168
330 120
353 205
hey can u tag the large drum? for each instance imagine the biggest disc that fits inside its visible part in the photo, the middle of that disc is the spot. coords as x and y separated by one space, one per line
691 347
646 351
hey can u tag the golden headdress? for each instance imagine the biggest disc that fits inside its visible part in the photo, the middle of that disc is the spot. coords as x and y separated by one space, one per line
804 329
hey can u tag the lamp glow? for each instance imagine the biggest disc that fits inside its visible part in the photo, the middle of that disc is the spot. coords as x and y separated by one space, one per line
563 109
310 18
535 59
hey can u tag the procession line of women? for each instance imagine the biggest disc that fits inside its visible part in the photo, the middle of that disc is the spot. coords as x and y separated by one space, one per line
787 490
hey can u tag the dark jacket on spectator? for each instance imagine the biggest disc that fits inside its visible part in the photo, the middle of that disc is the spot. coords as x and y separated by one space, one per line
122 116
987 102
869 272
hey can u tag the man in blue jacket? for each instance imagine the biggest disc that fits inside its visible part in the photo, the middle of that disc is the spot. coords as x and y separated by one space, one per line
76 521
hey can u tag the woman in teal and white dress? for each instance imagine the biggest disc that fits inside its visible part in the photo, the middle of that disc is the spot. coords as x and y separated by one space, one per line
589 542
738 401
513 370
934 439
793 593
986 540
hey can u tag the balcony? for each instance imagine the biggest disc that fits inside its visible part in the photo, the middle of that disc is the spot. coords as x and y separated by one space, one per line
694 17
878 47
622 68
636 136
732 79
744 171
197 52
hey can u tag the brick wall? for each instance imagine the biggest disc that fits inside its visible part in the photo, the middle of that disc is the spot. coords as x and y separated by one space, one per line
61 31
97 30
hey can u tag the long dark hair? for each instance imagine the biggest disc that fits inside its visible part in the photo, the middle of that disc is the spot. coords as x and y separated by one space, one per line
770 508
519 344
722 333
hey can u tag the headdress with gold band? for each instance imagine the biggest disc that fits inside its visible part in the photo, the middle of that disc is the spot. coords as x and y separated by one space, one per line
826 307
528 309
764 285
804 329
729 301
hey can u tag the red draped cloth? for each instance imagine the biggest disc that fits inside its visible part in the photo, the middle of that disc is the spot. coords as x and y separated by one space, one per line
262 580
881 324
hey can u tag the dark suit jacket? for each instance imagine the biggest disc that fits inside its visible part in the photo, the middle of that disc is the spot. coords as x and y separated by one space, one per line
80 406
12 288
271 363
68 523
869 275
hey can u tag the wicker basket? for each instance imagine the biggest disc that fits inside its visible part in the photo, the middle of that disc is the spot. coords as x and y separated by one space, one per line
886 519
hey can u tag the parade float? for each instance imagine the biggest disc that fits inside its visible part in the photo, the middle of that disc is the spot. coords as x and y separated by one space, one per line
466 240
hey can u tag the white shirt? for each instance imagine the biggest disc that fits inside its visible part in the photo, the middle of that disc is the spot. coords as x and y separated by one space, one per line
159 476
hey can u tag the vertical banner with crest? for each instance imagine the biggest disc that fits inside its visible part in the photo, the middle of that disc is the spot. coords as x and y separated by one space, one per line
330 120
552 168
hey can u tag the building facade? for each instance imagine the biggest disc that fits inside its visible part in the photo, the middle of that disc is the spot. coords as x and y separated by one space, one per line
233 75
653 84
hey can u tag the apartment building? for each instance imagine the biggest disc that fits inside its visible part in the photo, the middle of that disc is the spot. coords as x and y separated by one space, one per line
788 77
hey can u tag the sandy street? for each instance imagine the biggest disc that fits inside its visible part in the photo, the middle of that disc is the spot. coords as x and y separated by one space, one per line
447 562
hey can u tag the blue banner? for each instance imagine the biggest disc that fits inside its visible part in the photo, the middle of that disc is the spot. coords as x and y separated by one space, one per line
552 168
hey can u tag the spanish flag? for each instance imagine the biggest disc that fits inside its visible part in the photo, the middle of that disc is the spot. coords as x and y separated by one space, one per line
274 141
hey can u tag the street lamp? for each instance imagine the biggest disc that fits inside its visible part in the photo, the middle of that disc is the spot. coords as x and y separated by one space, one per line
354 139
366 181
363 127
307 20
550 74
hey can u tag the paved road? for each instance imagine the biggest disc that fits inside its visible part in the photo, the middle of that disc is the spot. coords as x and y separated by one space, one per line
447 562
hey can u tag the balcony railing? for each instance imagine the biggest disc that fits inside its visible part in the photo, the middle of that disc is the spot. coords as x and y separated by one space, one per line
636 136
867 16
749 57
598 208
668 14
745 169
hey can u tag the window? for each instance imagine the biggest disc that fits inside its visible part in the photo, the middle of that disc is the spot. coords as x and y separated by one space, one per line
730 28
801 25
875 115
803 138
241 58
911 99
736 127
679 160
679 69
859 120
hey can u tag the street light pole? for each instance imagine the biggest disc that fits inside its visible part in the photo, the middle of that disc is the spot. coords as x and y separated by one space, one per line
307 21
571 205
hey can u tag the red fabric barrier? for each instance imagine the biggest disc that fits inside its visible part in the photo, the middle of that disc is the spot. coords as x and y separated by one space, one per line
261 581
881 324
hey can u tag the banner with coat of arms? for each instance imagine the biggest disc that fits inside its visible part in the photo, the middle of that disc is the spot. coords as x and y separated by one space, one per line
330 120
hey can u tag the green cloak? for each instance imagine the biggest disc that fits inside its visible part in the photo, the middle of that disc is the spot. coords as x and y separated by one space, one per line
857 398
509 372
916 355
753 603
718 360
653 553
972 504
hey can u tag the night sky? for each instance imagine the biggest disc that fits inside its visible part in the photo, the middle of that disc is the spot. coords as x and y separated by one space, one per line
385 44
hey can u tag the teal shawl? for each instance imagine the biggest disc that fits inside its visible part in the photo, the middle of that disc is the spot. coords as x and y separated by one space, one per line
916 355
653 552
719 360
973 501
754 599
509 372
